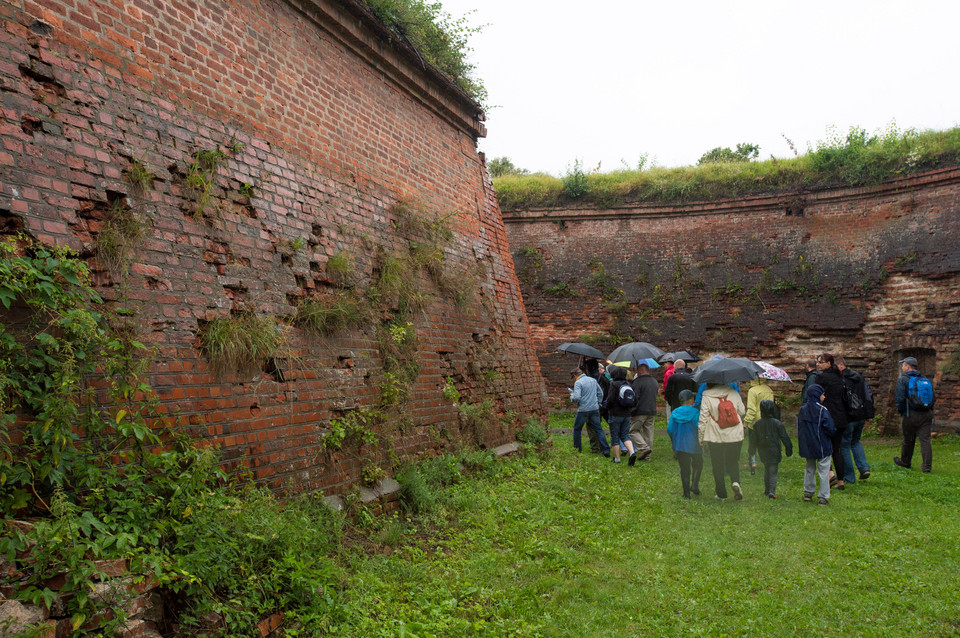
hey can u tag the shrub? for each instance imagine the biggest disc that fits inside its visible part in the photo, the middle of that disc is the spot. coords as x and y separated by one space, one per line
533 433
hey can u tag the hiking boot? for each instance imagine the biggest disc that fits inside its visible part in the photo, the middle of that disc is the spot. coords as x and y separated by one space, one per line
925 470
897 461
823 501
808 497
695 491
771 496
737 492
644 456
632 460
864 475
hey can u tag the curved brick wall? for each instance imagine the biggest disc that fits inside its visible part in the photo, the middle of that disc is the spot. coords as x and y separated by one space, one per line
871 273
332 125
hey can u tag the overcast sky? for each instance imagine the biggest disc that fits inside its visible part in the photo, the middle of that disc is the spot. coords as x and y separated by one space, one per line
608 80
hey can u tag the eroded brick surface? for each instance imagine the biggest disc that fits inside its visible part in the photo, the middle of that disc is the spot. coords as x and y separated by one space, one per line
331 127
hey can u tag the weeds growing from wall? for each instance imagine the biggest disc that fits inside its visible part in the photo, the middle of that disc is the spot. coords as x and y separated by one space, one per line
242 343
327 316
122 232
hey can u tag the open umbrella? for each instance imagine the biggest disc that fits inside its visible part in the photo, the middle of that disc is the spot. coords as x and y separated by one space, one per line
772 372
629 364
727 370
678 355
582 349
636 351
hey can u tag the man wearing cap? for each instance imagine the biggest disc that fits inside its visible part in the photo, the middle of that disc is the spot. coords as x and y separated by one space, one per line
915 422
586 393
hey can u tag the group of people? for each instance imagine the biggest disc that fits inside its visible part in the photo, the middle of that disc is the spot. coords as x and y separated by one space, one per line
836 403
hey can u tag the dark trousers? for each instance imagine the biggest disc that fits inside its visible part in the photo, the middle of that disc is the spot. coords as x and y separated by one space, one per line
725 461
917 425
839 465
770 471
691 467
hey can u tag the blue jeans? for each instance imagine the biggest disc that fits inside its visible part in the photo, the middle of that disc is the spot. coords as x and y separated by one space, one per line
593 418
851 443
619 430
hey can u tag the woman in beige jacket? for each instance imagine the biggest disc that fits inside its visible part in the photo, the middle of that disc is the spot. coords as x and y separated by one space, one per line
723 443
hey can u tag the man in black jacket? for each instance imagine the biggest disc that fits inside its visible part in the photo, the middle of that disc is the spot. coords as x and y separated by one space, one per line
859 409
641 419
917 422
681 379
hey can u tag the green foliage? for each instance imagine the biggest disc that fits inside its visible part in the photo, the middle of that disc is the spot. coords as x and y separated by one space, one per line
398 344
122 232
854 159
562 289
533 433
248 190
450 392
529 264
201 178
575 184
329 315
242 343
441 39
744 153
341 269
139 175
371 474
500 166
356 427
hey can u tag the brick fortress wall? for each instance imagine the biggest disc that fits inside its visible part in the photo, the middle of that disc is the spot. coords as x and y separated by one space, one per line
331 126
870 273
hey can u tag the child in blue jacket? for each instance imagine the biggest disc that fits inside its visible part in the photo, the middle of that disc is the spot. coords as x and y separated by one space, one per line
814 429
682 429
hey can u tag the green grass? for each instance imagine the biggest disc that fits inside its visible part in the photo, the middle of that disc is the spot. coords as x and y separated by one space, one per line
856 158
562 544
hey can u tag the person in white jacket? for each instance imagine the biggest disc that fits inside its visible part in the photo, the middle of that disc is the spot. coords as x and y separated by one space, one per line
721 429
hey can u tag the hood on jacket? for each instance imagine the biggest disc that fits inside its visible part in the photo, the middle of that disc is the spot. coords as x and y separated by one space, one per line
768 409
814 392
618 373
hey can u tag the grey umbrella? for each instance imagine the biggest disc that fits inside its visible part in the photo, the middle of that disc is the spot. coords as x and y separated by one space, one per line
581 349
678 355
727 370
635 351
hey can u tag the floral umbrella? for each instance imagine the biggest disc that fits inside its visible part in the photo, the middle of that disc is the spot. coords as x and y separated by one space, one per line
772 372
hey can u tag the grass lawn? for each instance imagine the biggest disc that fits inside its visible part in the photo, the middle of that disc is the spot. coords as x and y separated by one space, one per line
563 544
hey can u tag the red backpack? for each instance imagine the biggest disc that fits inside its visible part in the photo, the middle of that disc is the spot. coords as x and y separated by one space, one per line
727 416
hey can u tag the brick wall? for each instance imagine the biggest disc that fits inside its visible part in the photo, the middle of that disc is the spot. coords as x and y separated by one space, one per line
331 125
870 273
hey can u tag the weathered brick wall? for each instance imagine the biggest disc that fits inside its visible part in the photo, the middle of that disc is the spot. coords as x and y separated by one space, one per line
331 125
870 273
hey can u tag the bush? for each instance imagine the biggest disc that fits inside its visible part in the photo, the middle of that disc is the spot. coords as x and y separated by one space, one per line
533 433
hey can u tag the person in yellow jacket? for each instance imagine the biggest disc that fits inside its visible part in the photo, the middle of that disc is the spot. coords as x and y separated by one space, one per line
758 391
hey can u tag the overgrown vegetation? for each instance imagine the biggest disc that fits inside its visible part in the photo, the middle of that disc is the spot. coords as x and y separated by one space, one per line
441 39
851 159
122 232
243 342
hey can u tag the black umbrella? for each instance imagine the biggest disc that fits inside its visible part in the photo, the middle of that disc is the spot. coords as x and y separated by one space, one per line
678 355
726 370
582 349
635 351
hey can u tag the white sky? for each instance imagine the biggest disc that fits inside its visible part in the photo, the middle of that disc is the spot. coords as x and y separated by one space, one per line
608 80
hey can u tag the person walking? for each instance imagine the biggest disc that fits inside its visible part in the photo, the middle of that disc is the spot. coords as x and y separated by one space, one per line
766 435
620 401
829 378
859 408
721 428
667 373
644 413
815 431
682 428
587 395
758 391
680 380
915 399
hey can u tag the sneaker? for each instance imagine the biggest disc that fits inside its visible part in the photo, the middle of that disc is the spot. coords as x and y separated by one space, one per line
925 471
897 461
753 470
645 456
823 501
686 496
606 454
695 491
864 475
808 497
737 492
771 496
616 459
720 498
632 460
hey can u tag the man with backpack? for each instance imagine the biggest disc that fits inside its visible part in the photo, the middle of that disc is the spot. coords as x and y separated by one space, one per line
859 402
915 398
620 401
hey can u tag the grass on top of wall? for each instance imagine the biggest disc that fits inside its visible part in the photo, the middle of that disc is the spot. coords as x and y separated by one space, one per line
857 158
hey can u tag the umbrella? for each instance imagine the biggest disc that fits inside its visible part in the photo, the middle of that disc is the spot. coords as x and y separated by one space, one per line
678 355
581 349
636 351
773 372
727 370
629 364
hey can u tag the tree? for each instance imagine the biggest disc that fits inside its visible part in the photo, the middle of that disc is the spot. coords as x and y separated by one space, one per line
500 166
744 153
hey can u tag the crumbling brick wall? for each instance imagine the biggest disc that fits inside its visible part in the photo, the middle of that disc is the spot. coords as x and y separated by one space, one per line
870 273
317 131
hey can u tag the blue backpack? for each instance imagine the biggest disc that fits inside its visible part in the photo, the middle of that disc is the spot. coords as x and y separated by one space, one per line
919 393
